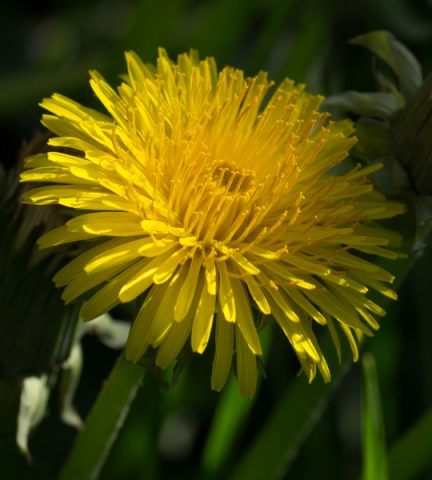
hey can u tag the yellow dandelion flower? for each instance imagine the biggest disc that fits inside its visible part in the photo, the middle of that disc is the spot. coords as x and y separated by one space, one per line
215 203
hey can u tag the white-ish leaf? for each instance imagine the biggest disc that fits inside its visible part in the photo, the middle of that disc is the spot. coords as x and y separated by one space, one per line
33 404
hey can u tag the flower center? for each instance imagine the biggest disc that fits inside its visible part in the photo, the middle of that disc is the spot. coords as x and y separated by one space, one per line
232 180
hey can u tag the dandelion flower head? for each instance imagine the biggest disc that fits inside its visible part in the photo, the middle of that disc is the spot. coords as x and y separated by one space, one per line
218 205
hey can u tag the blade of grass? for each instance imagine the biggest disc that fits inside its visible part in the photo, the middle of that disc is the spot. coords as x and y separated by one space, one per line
374 445
277 444
230 417
228 422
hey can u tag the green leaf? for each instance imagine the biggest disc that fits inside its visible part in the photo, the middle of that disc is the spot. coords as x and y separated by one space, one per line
374 445
412 453
228 421
106 418
373 104
291 420
397 56
374 139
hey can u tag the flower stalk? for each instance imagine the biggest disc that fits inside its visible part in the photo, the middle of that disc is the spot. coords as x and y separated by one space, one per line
106 418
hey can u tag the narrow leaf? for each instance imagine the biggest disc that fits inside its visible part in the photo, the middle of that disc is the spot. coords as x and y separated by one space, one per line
374 446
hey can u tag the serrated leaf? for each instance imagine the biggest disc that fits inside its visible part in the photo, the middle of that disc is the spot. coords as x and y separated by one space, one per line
386 46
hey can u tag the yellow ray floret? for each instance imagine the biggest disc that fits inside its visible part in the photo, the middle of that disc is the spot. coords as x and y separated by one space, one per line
215 207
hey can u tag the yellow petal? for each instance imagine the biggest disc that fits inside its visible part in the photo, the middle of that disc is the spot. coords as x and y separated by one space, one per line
226 295
143 279
187 291
108 296
257 294
245 264
224 351
107 223
308 266
165 271
163 318
138 340
211 278
203 321
280 270
246 366
83 282
76 266
174 341
116 255
302 301
245 319
61 235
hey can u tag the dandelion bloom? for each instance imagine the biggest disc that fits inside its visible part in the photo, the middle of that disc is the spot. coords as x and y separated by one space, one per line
216 204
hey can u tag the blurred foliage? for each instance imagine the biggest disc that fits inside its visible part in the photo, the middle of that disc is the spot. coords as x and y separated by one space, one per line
49 48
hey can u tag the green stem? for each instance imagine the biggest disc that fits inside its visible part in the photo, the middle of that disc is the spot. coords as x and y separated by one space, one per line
103 424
